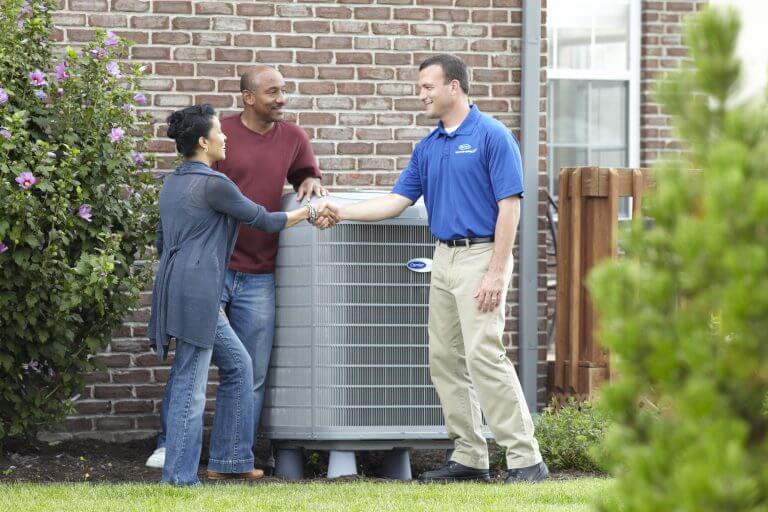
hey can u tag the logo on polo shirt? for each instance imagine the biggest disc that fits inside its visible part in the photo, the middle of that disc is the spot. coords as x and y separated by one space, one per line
465 148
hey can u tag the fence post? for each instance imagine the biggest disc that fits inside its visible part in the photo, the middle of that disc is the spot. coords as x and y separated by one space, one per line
587 234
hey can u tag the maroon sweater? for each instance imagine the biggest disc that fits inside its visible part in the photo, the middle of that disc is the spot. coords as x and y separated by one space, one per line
259 165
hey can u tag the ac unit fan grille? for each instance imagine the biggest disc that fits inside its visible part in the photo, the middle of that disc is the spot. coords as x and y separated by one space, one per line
366 343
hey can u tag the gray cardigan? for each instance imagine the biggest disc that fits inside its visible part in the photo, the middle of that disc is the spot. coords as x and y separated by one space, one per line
200 212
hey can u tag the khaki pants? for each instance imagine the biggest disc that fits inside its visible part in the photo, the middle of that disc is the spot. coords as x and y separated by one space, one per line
468 362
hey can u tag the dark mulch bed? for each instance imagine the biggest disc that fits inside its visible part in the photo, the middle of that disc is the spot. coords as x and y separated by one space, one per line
77 461
97 461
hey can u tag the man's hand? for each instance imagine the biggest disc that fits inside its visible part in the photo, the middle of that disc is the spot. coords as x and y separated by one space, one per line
488 294
310 187
328 215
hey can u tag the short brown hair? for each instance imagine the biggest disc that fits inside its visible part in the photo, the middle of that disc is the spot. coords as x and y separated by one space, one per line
453 69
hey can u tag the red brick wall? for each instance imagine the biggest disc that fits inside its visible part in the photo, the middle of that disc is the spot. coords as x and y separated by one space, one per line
351 67
662 51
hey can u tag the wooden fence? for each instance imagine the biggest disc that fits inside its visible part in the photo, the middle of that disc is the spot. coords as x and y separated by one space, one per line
588 216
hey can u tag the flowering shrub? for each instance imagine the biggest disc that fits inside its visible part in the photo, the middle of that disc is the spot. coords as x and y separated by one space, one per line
77 211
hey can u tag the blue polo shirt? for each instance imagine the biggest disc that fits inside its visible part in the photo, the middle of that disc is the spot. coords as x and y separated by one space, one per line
462 175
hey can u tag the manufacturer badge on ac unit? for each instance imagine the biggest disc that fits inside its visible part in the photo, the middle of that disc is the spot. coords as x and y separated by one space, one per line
420 265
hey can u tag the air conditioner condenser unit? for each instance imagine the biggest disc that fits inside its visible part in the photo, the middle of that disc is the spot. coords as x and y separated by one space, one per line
349 367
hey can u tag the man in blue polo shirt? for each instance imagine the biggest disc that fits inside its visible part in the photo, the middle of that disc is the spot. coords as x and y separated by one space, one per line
469 172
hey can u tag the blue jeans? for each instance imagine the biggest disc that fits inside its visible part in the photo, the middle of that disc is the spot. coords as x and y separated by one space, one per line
184 403
249 301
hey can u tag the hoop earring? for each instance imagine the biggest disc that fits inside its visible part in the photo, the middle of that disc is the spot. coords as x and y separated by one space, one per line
205 149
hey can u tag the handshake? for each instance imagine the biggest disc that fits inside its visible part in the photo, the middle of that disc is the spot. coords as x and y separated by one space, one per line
324 214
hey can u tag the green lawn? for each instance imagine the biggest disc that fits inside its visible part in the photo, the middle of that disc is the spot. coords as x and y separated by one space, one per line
552 496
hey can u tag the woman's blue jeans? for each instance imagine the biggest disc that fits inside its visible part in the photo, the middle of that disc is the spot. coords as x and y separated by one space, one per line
232 435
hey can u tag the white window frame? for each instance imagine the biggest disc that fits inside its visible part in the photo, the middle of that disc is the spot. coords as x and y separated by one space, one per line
632 76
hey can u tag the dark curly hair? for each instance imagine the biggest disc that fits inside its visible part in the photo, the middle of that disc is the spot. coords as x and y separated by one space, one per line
187 125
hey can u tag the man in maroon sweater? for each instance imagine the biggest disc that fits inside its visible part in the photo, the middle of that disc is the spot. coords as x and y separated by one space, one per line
262 153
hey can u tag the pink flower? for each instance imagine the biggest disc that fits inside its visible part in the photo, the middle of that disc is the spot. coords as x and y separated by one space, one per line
116 134
5 133
60 71
113 69
37 78
140 98
59 92
111 39
32 365
139 160
26 180
3 247
84 212
98 53
3 96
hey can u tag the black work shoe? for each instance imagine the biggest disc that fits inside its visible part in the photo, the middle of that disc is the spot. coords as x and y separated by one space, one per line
533 474
455 472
